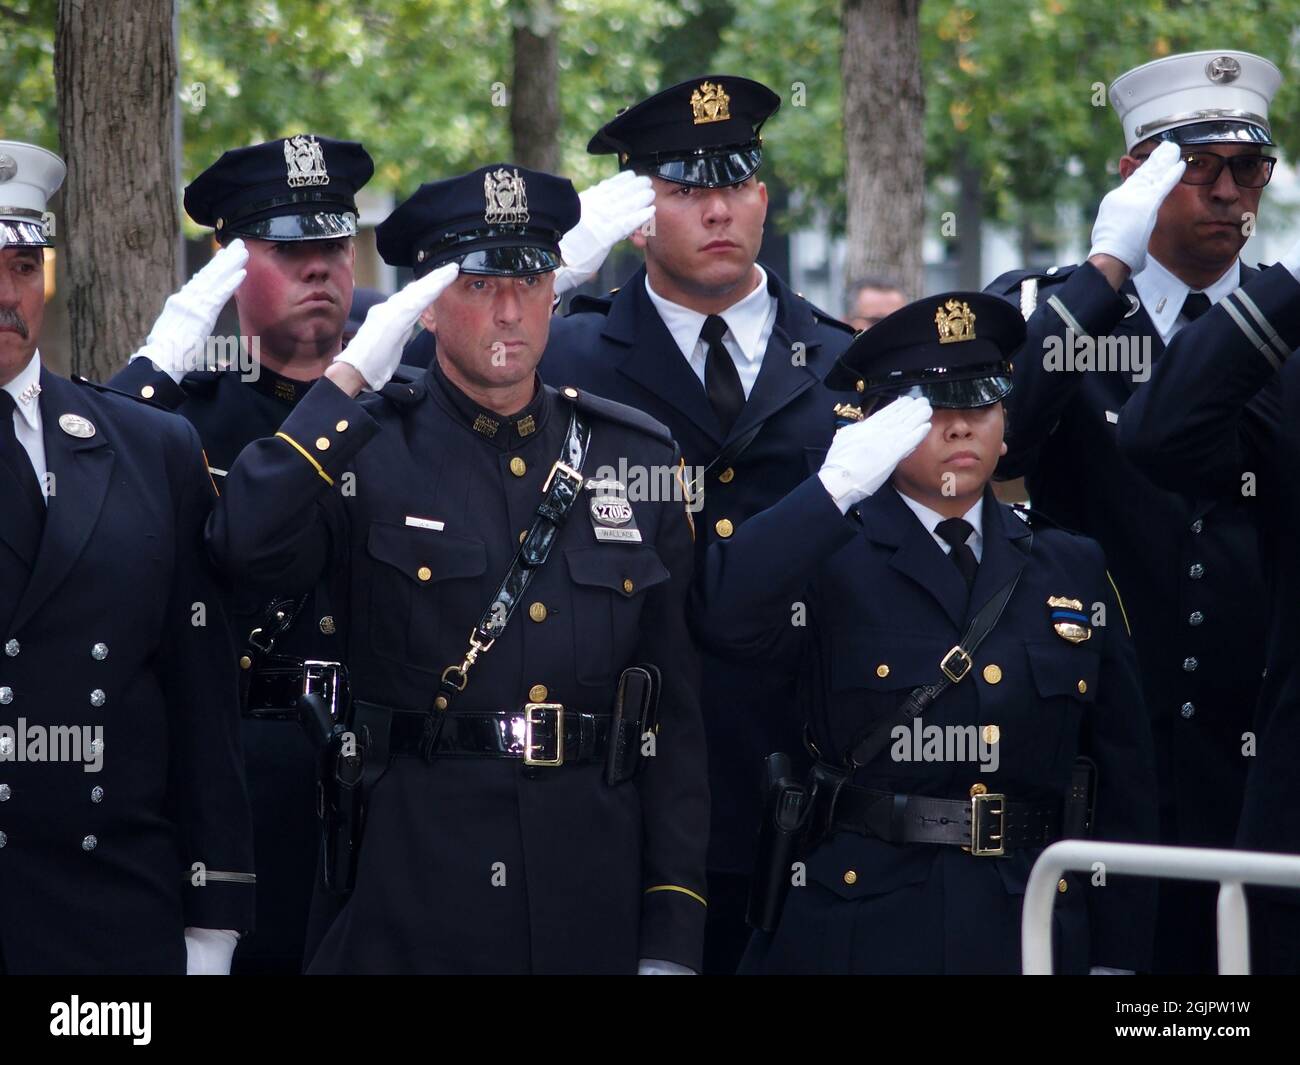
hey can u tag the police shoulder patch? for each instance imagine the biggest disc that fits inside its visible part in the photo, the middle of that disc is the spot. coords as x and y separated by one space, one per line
599 407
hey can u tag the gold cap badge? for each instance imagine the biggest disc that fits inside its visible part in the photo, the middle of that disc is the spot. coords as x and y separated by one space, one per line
506 199
710 103
956 321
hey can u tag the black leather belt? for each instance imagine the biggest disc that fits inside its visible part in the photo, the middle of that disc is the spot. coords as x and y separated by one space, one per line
987 825
276 686
542 734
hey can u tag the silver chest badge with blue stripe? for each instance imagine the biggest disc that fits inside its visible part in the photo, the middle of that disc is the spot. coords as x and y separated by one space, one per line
1069 620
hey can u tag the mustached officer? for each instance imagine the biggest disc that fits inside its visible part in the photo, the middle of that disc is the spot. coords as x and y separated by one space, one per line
525 729
954 662
125 839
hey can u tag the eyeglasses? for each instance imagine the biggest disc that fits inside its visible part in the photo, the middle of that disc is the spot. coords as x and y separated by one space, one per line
1204 168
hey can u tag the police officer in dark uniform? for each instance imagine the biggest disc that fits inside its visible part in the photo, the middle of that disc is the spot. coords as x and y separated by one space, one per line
1222 413
285 212
1165 248
895 568
526 807
125 839
717 348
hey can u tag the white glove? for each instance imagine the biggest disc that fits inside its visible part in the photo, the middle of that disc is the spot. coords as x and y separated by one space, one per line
376 350
208 951
611 210
1106 970
864 454
656 967
188 317
1291 260
1127 215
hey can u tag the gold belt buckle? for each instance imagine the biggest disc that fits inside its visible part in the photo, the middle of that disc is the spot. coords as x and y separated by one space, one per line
963 666
529 721
977 804
567 470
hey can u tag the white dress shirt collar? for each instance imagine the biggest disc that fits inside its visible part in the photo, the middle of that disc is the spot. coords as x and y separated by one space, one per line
746 319
26 390
1162 294
931 518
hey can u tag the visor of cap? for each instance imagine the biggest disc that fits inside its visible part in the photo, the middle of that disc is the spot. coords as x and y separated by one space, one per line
1218 132
20 233
955 395
318 225
845 378
705 167
494 251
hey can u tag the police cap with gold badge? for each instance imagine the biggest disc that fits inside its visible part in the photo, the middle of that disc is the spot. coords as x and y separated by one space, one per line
295 188
1197 98
29 176
954 349
702 132
500 219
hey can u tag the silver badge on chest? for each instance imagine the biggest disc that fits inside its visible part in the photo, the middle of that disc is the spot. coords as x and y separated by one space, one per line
612 519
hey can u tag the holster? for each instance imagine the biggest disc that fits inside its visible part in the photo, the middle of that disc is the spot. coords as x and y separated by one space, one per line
635 713
780 839
353 760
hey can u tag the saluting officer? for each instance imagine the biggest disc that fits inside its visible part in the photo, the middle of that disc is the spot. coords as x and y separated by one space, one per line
720 350
893 569
125 841
1222 410
285 214
525 809
1166 247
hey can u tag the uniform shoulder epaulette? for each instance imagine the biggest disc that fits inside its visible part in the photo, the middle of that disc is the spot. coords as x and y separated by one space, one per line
1021 286
99 386
591 304
406 387
619 413
829 319
1037 519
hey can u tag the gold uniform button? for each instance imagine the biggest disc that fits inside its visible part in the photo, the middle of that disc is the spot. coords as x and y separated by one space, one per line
882 671
861 386
424 573
327 625
245 662
727 475
147 391
522 535
537 611
724 528
628 585
992 734
341 426
537 693
518 466
992 673
1083 687
1062 886
440 702
978 789
850 877
322 443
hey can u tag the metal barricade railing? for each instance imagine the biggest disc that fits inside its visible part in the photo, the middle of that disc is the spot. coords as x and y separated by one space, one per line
1231 868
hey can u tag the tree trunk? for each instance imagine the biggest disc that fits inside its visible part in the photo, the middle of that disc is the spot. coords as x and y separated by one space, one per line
970 224
115 76
535 89
884 140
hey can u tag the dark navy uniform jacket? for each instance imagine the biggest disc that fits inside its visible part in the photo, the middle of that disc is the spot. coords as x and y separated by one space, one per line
118 623
1186 562
1222 413
624 351
229 413
476 865
882 606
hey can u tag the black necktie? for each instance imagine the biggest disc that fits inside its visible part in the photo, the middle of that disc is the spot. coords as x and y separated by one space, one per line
954 532
721 378
1196 304
22 505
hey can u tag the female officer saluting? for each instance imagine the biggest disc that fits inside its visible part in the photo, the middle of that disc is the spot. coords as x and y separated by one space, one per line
955 664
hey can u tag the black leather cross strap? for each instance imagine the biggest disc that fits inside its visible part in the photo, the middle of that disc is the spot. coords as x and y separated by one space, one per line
560 493
532 735
954 666
1002 826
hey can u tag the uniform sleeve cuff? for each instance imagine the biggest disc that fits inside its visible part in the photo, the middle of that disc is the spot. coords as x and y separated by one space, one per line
327 428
